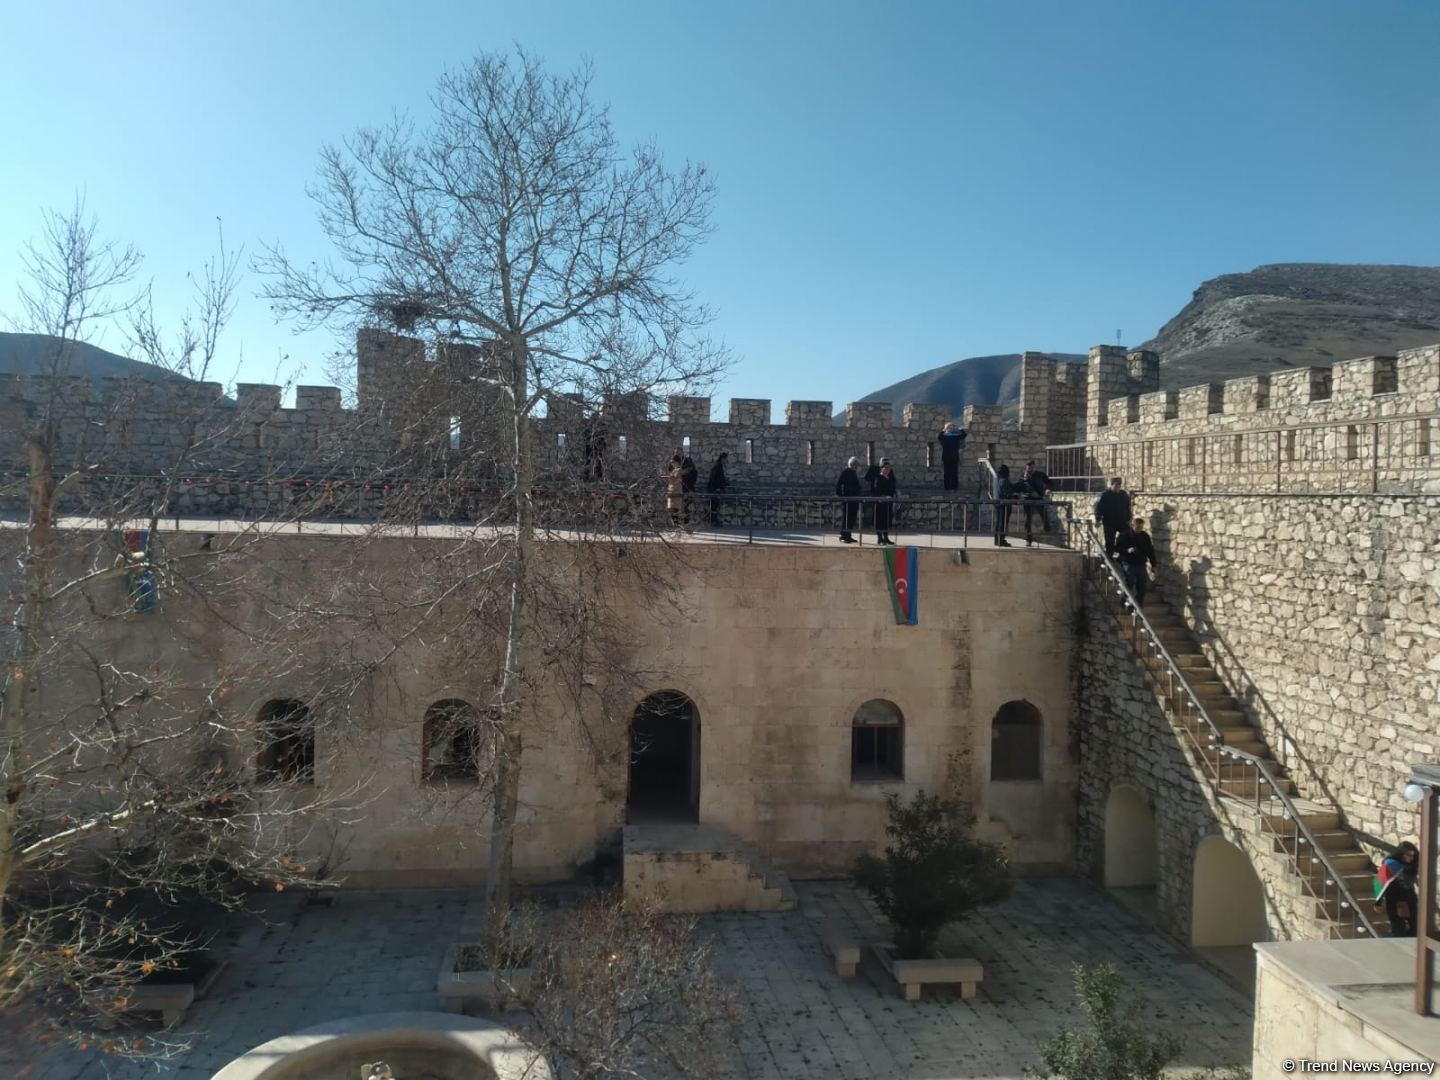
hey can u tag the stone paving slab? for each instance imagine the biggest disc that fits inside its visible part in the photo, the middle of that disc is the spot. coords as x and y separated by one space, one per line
380 951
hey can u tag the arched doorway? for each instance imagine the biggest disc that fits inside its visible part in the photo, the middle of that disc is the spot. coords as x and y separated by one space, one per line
1131 855
664 760
1227 908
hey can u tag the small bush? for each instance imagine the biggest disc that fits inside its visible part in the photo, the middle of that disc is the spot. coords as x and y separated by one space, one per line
933 872
1109 1047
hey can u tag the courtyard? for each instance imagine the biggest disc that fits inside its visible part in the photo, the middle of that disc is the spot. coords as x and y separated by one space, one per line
372 952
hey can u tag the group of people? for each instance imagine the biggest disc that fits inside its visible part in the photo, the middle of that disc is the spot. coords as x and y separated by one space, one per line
1125 537
681 477
1031 488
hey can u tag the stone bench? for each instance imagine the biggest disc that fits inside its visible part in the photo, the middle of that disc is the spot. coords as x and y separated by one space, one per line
846 954
914 974
170 1000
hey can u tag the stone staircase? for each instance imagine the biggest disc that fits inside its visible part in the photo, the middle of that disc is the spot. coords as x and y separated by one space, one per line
700 868
1240 785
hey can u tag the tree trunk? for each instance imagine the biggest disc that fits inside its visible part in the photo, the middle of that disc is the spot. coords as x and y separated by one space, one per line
508 744
21 680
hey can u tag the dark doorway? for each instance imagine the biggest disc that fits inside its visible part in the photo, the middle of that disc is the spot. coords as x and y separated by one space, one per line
664 760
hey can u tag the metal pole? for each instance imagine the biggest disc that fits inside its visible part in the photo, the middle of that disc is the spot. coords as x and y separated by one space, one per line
1425 942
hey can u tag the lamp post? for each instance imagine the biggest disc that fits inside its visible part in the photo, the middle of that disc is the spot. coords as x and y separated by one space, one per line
1424 788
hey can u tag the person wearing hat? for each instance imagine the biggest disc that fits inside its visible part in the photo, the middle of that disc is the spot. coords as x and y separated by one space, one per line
952 441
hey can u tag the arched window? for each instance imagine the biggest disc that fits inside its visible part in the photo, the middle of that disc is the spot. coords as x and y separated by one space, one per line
1015 742
287 742
451 741
877 742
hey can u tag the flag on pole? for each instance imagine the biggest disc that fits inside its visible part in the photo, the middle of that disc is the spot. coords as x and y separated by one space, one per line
902 571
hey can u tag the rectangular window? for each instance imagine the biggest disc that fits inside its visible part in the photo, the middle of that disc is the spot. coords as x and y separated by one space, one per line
875 753
1422 439
1290 446
560 440
810 452
1352 443
929 455
685 445
869 453
1149 455
1239 449
1190 451
624 445
455 433
749 451
259 437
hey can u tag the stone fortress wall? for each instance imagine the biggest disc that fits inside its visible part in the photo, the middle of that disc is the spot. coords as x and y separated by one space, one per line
1370 424
250 443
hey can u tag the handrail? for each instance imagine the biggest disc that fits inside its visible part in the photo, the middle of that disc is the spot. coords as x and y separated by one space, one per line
1303 836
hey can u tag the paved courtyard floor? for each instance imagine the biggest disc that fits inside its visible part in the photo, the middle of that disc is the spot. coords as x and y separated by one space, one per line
380 951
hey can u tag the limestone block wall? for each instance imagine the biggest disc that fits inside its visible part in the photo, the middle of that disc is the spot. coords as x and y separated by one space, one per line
777 648
1366 425
422 414
1323 614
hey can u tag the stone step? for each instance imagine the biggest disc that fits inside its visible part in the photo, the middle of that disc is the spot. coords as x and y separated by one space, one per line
1325 828
1249 786
1255 748
1339 912
1348 932
1343 861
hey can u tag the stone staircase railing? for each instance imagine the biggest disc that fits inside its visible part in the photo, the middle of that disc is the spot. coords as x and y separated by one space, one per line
1234 761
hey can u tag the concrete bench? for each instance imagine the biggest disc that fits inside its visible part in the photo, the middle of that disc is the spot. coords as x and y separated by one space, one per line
170 1000
846 954
914 974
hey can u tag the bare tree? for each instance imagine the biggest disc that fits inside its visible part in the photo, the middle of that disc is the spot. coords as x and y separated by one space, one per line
122 759
511 232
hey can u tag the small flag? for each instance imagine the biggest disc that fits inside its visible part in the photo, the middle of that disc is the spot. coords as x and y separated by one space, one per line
902 571
142 582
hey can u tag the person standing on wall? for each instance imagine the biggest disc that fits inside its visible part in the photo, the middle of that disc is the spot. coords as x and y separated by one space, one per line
1136 549
848 488
1034 487
716 483
689 477
1112 512
1004 491
952 441
885 492
1395 889
872 478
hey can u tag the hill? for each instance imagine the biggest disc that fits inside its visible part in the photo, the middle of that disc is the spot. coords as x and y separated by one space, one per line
1277 316
34 354
1296 314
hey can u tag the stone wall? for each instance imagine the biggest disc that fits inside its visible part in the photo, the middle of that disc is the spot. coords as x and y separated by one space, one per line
1366 425
1323 615
776 646
422 414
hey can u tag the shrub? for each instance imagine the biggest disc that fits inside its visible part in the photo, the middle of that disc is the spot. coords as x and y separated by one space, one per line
1109 1047
933 872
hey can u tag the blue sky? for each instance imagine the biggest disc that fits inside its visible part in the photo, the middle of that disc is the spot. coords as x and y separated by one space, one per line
901 184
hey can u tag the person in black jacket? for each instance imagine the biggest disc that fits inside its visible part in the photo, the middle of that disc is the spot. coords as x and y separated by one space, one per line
1135 550
1033 488
847 486
1004 489
952 441
1112 511
885 490
689 476
715 483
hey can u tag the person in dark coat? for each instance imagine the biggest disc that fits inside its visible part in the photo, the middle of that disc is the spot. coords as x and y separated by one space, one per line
1136 550
952 441
847 486
885 490
871 478
1396 882
715 483
1004 489
1033 488
1112 511
689 477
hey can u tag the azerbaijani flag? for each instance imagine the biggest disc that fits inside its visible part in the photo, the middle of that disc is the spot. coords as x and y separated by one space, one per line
902 571
142 583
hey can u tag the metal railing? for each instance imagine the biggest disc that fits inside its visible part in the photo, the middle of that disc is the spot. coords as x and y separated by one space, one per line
1188 714
1364 456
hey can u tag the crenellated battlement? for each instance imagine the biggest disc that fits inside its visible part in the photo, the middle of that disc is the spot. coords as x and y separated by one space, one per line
1366 388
